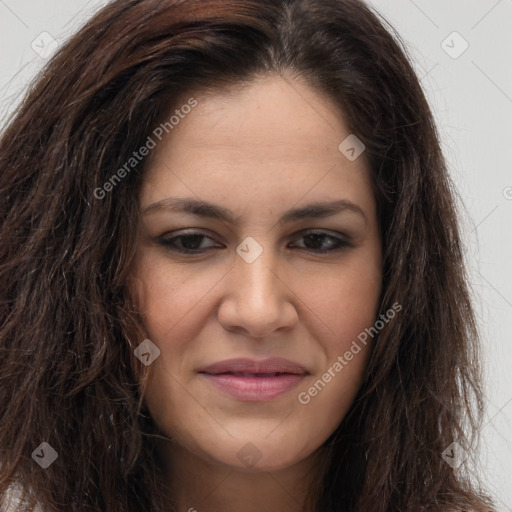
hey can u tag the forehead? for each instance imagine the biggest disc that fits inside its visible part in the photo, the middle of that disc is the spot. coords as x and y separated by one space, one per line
271 114
268 138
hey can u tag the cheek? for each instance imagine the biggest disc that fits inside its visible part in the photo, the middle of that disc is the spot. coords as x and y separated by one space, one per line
343 300
170 300
341 305
341 308
167 294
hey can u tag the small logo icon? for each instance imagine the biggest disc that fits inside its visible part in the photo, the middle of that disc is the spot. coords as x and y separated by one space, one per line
249 250
454 455
454 45
249 455
351 147
507 193
147 352
44 455
44 45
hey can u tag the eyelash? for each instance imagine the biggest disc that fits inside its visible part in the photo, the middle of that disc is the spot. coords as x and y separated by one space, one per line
338 245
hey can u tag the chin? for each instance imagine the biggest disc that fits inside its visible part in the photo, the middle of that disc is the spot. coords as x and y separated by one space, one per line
260 454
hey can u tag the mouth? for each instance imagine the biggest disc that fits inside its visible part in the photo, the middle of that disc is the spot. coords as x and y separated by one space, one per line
255 374
254 381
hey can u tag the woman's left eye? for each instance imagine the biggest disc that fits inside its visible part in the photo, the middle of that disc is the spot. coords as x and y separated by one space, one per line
313 241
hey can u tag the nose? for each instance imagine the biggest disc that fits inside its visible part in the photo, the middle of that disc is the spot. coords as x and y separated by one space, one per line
257 300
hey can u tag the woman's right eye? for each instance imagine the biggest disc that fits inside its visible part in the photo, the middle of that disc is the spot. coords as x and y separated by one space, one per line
190 243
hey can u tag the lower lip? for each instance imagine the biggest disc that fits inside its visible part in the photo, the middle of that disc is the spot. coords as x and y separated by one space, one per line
255 389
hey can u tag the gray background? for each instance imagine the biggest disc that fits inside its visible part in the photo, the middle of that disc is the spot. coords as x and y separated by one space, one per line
471 94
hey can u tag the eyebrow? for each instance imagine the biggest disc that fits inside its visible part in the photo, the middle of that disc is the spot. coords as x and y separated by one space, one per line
205 209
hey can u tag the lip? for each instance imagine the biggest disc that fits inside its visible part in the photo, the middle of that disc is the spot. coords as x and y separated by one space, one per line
255 381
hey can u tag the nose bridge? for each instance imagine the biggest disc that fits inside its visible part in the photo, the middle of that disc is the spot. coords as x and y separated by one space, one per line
256 267
257 300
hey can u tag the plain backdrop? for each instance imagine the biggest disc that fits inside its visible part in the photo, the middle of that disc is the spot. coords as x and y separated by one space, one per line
462 50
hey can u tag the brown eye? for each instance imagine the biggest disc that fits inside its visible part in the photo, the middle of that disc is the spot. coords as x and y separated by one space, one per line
190 243
321 242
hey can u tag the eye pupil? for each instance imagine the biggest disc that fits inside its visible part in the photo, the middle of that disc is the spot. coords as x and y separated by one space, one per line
316 238
191 241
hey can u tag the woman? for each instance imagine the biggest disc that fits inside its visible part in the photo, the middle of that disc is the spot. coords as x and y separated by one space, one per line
232 272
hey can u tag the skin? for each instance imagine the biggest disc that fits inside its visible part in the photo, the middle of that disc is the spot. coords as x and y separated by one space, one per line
257 150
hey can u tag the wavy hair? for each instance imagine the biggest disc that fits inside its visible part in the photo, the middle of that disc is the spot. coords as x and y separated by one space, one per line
68 326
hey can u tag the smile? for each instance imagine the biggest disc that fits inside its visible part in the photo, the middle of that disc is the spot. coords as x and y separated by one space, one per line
254 387
254 381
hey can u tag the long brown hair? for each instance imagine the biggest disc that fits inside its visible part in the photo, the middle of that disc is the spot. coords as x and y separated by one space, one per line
68 329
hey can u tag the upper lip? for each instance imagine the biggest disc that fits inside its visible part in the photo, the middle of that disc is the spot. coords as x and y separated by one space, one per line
245 365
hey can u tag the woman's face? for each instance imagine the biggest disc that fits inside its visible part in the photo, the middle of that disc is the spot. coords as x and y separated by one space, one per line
246 181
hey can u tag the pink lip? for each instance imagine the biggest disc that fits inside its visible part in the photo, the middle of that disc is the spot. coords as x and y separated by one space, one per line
250 380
